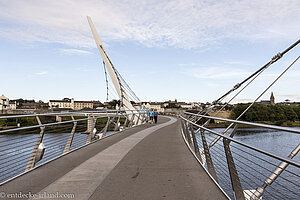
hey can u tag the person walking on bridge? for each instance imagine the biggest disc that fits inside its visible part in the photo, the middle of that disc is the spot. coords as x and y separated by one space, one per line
155 116
151 113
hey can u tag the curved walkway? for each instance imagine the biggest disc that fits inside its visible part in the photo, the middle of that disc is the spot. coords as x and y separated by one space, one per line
145 162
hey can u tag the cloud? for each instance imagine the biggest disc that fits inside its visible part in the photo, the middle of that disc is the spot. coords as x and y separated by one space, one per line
179 23
42 73
240 63
75 52
216 72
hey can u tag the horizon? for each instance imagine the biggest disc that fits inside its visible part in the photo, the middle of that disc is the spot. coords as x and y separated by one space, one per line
47 101
191 51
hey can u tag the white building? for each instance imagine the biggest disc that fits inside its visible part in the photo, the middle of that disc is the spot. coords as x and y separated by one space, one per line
153 105
186 105
67 103
5 104
79 105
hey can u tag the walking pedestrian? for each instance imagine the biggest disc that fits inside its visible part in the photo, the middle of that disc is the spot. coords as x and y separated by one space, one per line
155 114
151 113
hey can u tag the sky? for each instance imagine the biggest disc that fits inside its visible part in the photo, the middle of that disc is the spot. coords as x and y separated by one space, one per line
191 50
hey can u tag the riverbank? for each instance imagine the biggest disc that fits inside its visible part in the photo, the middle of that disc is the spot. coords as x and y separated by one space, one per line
278 123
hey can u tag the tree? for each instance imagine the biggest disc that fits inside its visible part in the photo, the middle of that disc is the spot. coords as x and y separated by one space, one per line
260 112
114 102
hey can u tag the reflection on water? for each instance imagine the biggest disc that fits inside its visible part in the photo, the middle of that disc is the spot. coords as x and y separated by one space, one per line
277 142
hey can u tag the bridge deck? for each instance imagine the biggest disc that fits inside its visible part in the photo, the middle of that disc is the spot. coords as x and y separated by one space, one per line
145 162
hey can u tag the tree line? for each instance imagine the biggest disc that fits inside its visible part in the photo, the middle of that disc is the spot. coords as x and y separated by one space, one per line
272 113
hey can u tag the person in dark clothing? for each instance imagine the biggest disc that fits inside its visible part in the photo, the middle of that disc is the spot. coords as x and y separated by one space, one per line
155 116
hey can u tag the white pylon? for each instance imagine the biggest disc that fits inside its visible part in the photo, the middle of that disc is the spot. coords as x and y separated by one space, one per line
114 76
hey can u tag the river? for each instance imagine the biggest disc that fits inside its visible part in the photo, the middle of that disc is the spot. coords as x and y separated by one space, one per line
253 167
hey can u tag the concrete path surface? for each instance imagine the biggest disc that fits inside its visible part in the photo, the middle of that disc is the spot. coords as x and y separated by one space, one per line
146 162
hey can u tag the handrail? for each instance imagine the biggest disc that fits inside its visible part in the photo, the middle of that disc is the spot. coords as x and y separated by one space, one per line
291 130
248 169
29 149
63 122
287 160
61 113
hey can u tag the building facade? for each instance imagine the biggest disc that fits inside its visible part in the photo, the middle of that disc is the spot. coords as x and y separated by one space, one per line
6 104
153 105
67 103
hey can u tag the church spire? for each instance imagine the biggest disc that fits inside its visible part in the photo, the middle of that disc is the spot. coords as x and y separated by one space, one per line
272 99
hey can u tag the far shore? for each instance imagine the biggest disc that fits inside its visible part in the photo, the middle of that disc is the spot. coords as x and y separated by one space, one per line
285 124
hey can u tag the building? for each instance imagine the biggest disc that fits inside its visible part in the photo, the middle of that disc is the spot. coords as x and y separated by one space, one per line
185 105
67 103
33 105
79 105
97 105
152 105
6 104
270 102
171 104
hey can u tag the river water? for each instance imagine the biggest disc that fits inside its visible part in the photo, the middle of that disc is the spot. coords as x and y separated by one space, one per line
15 150
253 167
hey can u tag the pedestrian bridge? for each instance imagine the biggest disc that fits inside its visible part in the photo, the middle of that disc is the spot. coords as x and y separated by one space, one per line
174 159
119 155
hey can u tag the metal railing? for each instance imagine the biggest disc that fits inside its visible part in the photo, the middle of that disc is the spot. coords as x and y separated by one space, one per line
241 170
49 136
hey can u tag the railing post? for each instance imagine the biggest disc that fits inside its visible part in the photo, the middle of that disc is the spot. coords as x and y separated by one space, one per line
138 120
144 117
188 134
183 128
234 177
90 128
117 125
58 118
38 149
90 124
106 127
209 162
125 123
131 121
69 142
196 147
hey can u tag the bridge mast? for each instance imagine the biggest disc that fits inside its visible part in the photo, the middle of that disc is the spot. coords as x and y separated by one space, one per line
124 99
